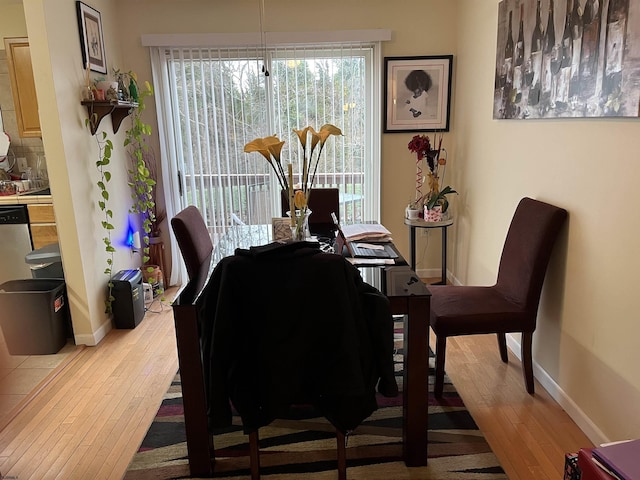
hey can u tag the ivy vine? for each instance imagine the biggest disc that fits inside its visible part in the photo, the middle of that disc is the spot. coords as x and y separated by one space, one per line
140 178
105 147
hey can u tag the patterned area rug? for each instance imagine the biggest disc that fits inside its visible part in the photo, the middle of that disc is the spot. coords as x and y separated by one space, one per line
304 444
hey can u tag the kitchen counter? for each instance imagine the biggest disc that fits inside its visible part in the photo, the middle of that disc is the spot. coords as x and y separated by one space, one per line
42 196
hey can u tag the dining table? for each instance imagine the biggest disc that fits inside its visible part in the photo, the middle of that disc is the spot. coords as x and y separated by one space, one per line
408 298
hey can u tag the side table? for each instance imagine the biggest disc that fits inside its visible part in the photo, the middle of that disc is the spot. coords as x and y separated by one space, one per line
156 256
420 223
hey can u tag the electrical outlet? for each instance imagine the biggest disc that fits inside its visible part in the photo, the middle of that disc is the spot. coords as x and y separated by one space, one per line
22 164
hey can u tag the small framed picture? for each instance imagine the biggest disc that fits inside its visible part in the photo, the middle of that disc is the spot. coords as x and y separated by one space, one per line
91 38
281 229
417 93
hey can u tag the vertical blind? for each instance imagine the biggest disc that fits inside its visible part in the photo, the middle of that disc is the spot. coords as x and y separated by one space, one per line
212 101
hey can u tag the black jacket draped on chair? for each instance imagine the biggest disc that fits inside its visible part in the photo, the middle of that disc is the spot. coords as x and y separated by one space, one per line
284 324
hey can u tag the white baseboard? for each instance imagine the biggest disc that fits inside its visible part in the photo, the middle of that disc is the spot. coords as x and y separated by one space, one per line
559 395
429 272
585 424
436 273
93 339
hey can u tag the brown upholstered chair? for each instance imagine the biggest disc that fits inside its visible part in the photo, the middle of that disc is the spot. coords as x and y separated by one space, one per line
511 305
322 202
193 239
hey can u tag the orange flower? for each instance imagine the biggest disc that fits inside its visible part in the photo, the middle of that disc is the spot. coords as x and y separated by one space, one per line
300 199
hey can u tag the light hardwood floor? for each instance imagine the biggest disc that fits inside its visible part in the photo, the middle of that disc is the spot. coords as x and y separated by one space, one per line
89 421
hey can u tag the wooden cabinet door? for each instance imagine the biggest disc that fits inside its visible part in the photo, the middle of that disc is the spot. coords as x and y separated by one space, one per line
23 86
43 224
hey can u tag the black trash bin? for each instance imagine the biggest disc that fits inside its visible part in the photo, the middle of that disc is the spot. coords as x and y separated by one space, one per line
35 316
45 262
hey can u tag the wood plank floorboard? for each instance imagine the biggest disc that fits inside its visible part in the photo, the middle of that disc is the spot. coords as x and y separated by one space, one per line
89 420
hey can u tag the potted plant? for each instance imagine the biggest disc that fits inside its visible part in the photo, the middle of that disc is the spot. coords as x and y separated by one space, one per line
143 181
140 177
435 201
412 212
312 143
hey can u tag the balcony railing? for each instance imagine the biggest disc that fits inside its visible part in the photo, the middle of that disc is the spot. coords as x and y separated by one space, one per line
240 198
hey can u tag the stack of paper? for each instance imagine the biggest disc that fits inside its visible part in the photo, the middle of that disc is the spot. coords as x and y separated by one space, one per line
368 232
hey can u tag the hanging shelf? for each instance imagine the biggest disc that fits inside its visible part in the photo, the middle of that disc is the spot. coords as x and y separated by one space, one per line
98 110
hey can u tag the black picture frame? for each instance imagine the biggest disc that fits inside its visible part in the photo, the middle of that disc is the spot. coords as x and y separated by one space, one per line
409 109
91 38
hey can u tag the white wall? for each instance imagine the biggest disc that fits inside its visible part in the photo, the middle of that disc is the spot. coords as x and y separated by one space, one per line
71 155
588 325
586 343
12 22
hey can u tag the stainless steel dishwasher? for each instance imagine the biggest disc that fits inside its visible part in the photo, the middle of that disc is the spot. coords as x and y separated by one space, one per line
15 242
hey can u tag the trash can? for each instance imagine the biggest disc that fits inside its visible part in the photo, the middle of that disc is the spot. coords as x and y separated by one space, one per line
34 316
45 262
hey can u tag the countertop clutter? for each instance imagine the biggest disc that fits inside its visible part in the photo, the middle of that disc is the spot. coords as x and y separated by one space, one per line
10 195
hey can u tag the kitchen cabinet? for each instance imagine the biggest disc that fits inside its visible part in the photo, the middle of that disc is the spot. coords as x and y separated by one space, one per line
23 86
43 224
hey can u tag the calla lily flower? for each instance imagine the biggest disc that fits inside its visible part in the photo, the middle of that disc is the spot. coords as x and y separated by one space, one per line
260 145
326 130
315 138
300 199
275 149
302 136
271 149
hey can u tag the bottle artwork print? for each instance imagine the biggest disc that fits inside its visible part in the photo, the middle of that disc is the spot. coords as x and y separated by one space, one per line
567 58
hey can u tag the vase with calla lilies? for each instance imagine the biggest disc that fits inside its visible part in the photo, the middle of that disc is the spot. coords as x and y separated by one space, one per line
312 143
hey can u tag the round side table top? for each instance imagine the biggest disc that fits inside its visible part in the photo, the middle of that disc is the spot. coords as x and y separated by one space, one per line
421 223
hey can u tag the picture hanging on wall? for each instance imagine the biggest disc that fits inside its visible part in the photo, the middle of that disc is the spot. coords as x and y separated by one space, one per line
91 38
567 58
417 93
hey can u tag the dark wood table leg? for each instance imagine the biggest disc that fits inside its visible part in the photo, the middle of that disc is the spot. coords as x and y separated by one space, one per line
412 246
199 444
416 381
443 276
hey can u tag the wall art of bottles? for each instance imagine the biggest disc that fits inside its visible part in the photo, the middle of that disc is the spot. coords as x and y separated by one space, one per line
567 58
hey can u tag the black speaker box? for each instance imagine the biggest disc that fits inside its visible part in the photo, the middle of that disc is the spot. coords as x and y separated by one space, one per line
128 294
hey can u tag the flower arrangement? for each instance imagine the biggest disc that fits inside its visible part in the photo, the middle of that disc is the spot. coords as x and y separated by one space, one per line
436 159
312 143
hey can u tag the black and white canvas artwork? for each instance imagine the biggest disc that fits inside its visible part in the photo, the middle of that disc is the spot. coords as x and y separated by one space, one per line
567 58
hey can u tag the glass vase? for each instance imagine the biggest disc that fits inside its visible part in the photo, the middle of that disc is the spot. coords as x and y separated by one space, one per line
300 228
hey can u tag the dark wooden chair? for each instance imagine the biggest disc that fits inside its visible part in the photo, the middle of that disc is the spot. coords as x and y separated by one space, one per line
193 239
511 305
322 202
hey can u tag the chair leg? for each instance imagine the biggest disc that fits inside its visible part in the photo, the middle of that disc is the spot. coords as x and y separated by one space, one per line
502 345
254 455
527 363
342 455
441 346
